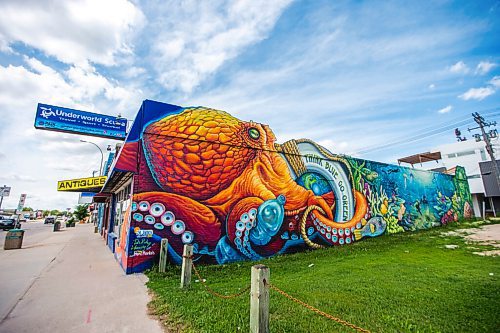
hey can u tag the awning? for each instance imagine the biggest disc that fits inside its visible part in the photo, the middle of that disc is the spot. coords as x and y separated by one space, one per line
101 197
420 158
116 180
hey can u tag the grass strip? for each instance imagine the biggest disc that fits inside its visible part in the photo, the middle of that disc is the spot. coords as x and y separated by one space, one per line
407 282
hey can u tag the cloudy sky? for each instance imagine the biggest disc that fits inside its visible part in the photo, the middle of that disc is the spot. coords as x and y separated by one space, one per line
376 79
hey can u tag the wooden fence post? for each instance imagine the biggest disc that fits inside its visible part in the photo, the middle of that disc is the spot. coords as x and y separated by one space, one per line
259 299
187 263
163 255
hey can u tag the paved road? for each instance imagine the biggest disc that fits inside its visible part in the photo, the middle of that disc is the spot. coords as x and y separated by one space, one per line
20 268
36 231
68 281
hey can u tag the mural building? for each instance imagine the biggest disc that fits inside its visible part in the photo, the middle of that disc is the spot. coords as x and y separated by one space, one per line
203 177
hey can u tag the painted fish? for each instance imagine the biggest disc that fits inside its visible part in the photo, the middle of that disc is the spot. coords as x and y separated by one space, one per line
468 212
401 212
369 174
373 228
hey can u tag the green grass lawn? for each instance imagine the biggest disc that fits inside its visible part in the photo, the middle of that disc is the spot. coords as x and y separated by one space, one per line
400 283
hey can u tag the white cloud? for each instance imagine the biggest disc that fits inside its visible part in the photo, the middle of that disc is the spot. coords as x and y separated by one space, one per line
4 45
445 109
71 31
134 72
337 147
432 86
484 67
76 87
28 155
477 93
194 39
483 92
16 177
459 68
495 81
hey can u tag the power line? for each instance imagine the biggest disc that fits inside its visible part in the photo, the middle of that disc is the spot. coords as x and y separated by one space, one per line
423 133
426 132
420 136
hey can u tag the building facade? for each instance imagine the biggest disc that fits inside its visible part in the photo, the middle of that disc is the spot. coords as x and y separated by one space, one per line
200 176
469 154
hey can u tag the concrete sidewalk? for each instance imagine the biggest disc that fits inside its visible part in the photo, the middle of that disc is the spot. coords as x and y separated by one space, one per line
82 290
19 269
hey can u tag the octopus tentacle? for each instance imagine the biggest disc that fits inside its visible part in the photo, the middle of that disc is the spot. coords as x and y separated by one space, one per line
347 227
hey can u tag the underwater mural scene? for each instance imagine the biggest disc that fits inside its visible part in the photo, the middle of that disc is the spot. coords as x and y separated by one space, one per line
206 178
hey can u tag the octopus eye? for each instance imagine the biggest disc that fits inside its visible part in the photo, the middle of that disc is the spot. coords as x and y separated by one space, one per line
187 237
157 209
138 217
168 218
178 227
253 133
149 219
134 206
143 206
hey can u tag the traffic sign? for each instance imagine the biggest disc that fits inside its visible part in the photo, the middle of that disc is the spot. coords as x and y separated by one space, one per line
4 191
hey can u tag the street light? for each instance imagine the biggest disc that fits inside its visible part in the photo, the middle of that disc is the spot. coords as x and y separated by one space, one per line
102 155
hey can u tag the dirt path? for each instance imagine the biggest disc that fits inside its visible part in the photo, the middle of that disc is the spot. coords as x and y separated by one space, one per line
484 235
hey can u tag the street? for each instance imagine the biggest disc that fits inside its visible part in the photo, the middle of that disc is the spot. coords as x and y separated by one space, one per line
68 281
19 269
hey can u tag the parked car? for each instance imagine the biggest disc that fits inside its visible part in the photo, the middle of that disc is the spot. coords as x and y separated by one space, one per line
49 219
8 222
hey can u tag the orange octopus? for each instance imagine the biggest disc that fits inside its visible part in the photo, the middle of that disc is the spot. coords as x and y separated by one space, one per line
220 184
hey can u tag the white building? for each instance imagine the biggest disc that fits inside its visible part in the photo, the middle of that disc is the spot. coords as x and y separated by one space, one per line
468 154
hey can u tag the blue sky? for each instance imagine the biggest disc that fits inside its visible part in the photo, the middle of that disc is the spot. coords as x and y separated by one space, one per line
350 75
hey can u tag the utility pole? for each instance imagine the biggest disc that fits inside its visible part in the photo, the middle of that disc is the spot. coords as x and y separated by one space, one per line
4 192
1 197
489 148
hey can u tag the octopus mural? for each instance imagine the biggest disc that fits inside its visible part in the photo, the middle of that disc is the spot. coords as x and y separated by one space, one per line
206 178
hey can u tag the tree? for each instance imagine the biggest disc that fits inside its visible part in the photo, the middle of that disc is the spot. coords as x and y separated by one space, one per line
27 209
55 212
81 212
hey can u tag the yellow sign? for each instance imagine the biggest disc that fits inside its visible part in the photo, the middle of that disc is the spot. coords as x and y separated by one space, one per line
76 185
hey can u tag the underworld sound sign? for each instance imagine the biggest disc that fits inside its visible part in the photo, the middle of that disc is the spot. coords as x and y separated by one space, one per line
59 119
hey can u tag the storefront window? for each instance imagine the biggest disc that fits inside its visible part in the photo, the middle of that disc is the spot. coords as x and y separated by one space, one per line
123 201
